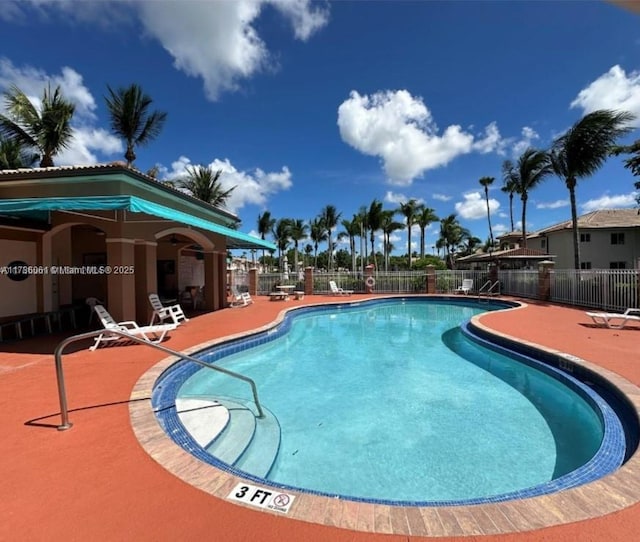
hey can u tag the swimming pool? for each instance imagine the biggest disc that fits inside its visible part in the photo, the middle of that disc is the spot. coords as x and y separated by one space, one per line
420 414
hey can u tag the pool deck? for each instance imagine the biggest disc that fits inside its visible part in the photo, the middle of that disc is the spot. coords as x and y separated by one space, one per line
96 481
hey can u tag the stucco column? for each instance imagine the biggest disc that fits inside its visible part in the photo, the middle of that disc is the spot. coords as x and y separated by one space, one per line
544 279
253 282
120 280
431 279
146 278
308 281
215 281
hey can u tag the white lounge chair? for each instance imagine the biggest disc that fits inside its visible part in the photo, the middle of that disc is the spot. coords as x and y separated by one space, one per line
243 300
467 285
614 320
162 313
158 332
336 290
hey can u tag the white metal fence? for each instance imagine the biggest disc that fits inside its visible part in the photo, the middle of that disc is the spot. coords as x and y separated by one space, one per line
606 289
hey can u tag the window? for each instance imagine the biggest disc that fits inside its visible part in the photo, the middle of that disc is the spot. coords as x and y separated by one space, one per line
543 243
617 265
617 238
585 237
585 265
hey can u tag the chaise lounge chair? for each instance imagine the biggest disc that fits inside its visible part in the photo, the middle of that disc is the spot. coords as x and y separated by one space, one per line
173 312
158 332
244 299
336 290
467 285
609 319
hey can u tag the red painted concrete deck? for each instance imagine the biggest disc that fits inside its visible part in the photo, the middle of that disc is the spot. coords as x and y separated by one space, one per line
95 482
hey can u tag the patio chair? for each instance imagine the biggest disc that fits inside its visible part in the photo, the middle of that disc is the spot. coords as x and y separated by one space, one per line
467 285
244 299
173 312
158 332
336 290
614 320
92 302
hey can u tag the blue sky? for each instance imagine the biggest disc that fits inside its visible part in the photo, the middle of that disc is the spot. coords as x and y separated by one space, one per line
304 104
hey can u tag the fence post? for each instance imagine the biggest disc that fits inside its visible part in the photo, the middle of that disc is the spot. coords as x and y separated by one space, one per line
253 281
431 279
308 281
544 279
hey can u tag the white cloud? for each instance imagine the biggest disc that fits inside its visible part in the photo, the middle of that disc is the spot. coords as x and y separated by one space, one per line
499 229
211 39
399 129
610 202
474 206
612 90
398 198
251 188
33 81
87 141
553 204
528 136
441 197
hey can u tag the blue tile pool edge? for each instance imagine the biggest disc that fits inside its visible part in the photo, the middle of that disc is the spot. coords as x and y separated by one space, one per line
608 458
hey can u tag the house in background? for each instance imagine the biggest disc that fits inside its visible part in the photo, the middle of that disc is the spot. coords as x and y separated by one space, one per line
111 232
609 239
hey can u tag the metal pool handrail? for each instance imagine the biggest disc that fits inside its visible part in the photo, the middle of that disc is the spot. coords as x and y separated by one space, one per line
62 395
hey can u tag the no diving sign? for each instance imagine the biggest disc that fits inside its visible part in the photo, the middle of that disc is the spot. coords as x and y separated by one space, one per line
269 498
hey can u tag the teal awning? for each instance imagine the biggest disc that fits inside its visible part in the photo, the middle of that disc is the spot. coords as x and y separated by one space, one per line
134 204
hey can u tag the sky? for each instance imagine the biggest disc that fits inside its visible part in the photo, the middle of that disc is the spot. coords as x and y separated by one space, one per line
306 104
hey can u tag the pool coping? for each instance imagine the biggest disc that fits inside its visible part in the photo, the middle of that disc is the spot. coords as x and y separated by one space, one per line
606 495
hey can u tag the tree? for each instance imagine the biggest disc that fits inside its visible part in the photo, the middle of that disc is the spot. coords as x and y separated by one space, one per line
486 182
329 217
530 170
203 183
297 232
131 118
388 225
374 220
509 187
265 225
425 217
14 155
282 233
317 234
632 163
47 129
409 209
351 230
452 235
582 150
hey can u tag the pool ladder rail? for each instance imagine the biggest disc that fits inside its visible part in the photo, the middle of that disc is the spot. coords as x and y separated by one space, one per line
488 289
62 394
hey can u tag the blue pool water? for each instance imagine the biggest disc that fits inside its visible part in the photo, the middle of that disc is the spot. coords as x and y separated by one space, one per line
390 401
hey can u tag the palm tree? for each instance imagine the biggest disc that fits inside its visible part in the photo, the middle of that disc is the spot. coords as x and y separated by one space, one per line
451 236
509 187
351 230
529 171
329 217
632 163
131 118
425 217
47 129
486 182
363 218
409 209
297 232
282 233
317 234
265 225
374 220
14 155
388 225
203 183
582 150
